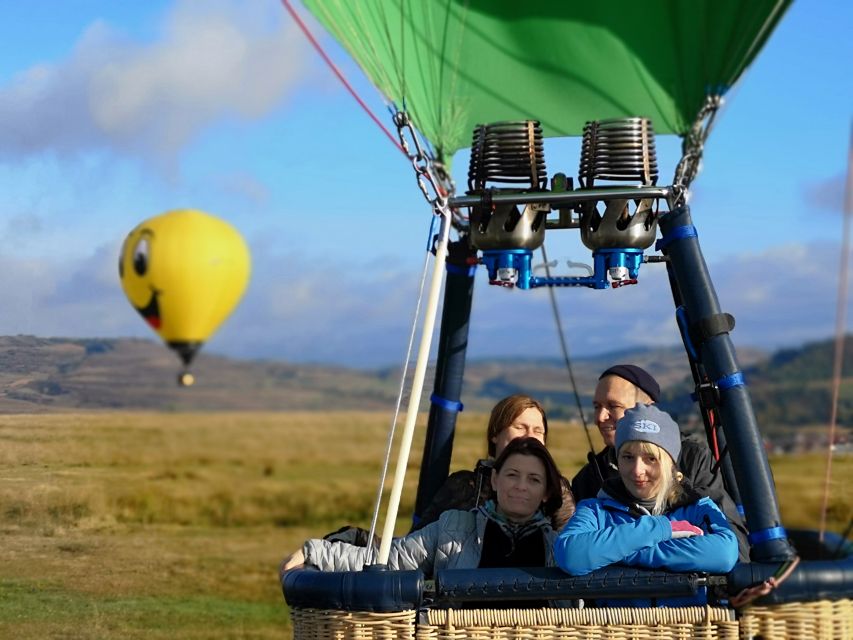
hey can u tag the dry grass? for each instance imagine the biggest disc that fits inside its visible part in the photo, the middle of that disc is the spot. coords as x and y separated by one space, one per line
800 482
172 525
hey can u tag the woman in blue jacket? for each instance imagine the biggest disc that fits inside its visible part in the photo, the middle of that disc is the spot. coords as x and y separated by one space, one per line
646 517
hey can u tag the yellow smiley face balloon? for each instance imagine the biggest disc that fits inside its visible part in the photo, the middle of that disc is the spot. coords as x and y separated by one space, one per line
184 271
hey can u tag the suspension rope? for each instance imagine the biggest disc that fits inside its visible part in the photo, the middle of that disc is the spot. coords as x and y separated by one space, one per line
403 375
427 331
304 28
565 349
840 325
434 183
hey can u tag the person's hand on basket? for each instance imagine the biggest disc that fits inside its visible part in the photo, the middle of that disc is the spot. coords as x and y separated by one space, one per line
295 560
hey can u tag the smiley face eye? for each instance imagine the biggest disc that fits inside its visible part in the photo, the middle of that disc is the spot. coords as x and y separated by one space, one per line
140 256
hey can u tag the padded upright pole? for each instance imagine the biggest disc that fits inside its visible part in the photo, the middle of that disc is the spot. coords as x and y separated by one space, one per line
716 354
711 431
450 368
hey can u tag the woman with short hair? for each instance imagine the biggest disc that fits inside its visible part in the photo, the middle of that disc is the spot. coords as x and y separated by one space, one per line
513 530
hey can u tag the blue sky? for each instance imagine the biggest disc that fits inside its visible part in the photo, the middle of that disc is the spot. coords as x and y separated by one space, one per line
115 112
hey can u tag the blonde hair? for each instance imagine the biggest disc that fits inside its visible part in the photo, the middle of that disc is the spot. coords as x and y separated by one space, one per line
669 484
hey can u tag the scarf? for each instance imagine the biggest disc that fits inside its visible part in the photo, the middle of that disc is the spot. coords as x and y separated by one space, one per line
515 531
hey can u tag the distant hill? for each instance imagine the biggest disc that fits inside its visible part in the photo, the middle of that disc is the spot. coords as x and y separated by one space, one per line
548 380
56 374
790 388
50 374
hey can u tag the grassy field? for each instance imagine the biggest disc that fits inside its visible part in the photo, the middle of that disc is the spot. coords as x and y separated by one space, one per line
132 525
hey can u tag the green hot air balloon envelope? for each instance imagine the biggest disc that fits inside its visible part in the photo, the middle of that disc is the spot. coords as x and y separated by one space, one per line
453 64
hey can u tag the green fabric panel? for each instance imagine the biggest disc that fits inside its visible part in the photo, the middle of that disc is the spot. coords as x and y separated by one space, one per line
459 63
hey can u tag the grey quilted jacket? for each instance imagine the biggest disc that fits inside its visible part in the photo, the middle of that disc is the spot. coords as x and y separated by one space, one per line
455 541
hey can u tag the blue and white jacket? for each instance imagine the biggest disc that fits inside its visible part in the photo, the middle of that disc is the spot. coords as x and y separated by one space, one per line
605 531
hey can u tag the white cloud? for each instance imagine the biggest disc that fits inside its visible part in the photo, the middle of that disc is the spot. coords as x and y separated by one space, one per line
306 308
22 228
214 60
81 298
245 187
783 296
798 293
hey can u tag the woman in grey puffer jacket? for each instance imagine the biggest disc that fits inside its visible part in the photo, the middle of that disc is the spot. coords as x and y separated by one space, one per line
512 531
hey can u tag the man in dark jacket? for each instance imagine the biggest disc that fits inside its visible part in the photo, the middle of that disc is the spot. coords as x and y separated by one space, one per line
619 388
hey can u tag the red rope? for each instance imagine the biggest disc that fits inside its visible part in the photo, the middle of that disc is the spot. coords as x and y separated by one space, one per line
714 441
840 322
338 73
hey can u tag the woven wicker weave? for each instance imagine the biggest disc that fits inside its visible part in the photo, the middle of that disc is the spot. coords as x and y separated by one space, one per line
823 620
518 624
587 624
325 624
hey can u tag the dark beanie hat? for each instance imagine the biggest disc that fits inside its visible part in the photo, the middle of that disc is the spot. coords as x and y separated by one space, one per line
637 376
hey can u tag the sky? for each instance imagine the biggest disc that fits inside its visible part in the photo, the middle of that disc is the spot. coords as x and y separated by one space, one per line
112 113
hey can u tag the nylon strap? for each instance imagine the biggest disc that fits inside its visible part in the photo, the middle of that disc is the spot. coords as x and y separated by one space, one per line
765 535
732 380
678 233
444 403
715 325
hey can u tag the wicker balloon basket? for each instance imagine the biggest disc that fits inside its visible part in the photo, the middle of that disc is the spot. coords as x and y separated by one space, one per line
822 620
